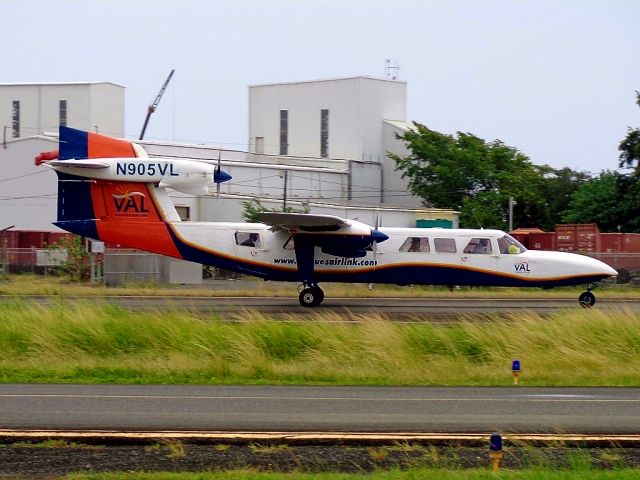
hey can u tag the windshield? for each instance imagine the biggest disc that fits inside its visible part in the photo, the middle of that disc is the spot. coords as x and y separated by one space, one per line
509 245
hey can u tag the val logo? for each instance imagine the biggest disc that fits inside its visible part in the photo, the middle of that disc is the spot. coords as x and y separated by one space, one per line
522 267
130 203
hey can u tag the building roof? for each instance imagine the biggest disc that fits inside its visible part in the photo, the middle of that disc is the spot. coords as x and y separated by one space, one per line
401 124
36 84
339 79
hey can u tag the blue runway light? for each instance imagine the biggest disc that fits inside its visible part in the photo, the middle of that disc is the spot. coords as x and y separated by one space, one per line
516 370
515 366
495 442
495 451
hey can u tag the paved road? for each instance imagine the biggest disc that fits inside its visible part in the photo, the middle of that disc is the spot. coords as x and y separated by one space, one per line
424 308
347 409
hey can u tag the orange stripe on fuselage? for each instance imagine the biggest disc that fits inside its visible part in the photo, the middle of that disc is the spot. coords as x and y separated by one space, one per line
127 214
100 146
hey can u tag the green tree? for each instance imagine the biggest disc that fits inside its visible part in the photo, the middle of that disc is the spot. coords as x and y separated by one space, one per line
597 201
253 208
76 264
629 184
630 147
465 172
556 187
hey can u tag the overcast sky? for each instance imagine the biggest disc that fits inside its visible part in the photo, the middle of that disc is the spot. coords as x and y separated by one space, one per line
553 78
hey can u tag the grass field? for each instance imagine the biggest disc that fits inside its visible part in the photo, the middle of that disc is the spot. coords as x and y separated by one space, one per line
417 474
40 285
81 342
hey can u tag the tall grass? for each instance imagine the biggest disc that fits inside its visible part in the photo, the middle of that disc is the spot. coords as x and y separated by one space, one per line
81 342
27 284
412 474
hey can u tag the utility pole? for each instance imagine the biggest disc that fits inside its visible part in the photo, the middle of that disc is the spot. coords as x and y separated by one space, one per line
512 203
5 251
284 196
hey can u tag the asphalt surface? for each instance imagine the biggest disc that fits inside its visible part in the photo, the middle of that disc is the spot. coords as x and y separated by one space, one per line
401 308
344 409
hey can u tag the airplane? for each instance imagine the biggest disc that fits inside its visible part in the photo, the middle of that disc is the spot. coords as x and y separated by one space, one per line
110 190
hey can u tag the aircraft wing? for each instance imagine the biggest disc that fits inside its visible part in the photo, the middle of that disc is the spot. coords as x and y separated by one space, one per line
78 163
303 221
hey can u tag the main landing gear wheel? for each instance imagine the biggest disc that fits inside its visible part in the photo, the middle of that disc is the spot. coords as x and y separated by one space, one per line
311 297
587 299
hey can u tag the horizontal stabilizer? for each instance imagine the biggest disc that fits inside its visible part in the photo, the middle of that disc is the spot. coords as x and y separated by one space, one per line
78 164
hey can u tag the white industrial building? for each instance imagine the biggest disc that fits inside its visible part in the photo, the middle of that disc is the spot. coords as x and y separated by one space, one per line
355 119
28 109
319 146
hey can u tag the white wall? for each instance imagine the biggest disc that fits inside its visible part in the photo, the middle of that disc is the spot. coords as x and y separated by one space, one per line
357 106
396 187
88 105
28 194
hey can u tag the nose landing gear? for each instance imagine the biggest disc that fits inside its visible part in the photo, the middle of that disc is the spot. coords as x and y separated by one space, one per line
587 299
311 295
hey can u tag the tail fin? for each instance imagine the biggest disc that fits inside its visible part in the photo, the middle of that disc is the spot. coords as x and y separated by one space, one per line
127 213
78 197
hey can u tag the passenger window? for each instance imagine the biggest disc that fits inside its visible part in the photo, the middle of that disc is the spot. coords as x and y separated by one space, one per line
445 245
479 245
415 244
248 239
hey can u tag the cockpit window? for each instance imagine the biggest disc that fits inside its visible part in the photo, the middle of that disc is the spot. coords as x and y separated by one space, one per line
510 246
415 244
479 245
248 239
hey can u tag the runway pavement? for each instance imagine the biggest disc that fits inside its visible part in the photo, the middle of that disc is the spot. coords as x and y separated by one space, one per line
325 409
402 308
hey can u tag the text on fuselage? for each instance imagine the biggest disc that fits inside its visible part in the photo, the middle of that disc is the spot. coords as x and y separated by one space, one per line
149 169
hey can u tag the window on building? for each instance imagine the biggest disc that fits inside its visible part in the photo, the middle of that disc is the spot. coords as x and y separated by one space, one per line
415 244
63 113
15 118
248 239
284 132
444 245
259 145
479 245
184 213
324 132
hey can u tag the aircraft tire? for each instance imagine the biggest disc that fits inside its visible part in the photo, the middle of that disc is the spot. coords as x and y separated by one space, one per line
311 297
587 299
320 294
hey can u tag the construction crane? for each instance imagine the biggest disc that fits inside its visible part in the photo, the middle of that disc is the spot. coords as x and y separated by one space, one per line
154 105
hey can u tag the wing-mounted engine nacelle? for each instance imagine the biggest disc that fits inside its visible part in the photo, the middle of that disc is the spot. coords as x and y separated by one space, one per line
349 245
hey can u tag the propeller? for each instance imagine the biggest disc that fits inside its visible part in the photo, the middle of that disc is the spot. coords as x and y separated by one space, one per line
377 236
219 176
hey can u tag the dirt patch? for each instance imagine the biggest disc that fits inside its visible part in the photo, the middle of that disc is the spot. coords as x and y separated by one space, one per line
45 462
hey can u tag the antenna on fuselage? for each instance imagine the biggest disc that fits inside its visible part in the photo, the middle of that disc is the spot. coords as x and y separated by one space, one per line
473 212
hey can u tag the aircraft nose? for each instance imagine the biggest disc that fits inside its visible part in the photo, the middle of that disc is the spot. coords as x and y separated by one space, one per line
604 268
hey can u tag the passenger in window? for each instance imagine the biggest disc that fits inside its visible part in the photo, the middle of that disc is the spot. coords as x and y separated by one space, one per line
415 244
482 246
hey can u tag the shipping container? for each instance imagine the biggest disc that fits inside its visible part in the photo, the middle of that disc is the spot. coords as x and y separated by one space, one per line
32 239
523 238
10 239
611 242
577 237
542 241
631 243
